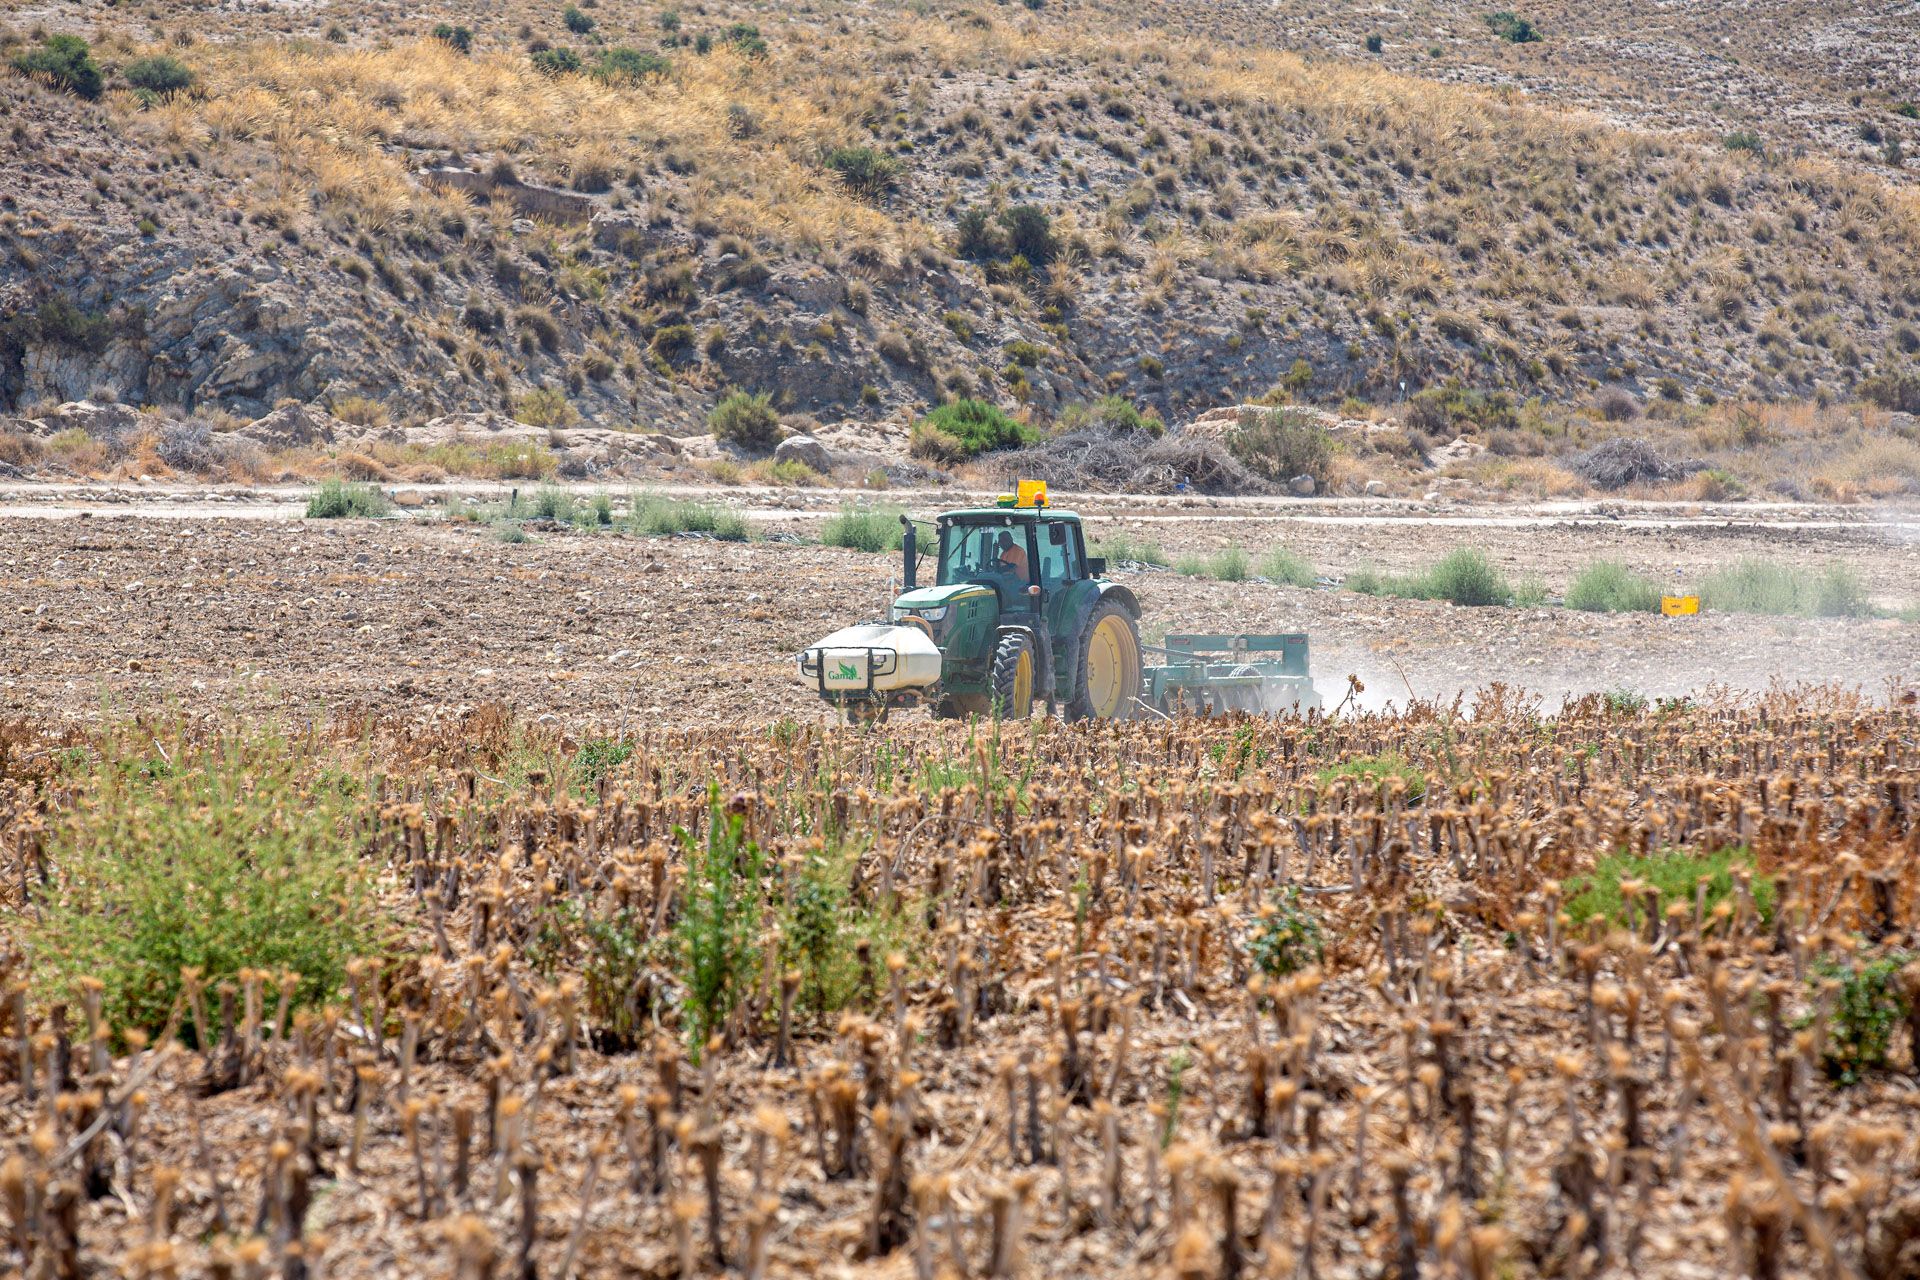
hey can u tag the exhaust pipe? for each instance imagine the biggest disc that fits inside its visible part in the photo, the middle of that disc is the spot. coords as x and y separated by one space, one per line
909 550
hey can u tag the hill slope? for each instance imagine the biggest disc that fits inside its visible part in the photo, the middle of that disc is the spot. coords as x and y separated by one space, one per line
867 207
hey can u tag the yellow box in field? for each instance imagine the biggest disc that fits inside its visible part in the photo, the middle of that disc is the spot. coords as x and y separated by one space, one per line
1679 606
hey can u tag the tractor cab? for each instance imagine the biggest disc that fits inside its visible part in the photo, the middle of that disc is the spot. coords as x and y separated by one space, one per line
1023 550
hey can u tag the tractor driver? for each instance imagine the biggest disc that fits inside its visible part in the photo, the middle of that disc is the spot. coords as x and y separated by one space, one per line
1011 556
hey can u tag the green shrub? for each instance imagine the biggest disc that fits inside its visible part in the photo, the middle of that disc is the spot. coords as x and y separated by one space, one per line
791 472
745 419
226 854
864 529
1870 1006
720 918
1023 353
1191 565
1287 567
160 76
655 514
744 38
1029 230
976 427
1462 576
930 443
544 407
1671 873
1512 28
611 954
1229 565
1743 140
864 171
1624 702
1606 587
1466 577
337 499
1110 413
1120 548
1768 587
59 321
1375 772
1286 937
822 927
1838 592
1439 410
1281 444
1375 44
556 62
1897 390
68 62
623 65
670 340
974 235
553 504
599 756
460 39
577 22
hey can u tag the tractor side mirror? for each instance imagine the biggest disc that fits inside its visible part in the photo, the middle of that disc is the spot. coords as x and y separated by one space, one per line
1096 566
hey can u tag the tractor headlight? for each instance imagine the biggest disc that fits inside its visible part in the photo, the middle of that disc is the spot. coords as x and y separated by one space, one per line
938 613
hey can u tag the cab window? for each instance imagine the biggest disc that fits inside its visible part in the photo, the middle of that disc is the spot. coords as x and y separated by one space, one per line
990 551
1059 555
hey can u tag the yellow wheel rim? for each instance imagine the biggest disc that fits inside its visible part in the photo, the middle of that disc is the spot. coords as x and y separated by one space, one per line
1113 670
1023 685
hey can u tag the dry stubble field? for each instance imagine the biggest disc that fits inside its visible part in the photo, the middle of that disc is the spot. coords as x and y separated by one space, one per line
462 947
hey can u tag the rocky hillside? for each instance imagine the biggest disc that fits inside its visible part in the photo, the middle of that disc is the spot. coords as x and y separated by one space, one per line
611 214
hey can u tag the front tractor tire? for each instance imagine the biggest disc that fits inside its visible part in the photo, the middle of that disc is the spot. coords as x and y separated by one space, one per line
1013 676
1109 677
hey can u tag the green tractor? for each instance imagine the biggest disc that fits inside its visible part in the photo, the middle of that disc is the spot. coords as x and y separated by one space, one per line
1019 614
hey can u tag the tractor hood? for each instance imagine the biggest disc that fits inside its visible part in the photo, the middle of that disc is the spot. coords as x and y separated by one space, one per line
933 597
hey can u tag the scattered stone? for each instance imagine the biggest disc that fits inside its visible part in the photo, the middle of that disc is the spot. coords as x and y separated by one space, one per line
1375 488
488 426
805 450
297 425
1458 449
98 421
1302 486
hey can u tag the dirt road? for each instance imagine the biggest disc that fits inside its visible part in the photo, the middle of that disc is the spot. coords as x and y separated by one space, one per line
117 612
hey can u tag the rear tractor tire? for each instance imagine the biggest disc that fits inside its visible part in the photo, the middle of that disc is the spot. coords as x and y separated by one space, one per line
1109 677
1014 666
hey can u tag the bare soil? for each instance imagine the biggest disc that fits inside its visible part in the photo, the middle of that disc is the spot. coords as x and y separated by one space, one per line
109 613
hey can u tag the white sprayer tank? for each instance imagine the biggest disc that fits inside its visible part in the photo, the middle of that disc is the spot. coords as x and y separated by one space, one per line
871 656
